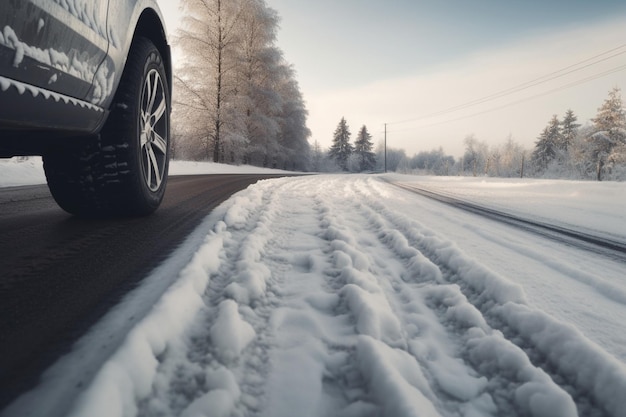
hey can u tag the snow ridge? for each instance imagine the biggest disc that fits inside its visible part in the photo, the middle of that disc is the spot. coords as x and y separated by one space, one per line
130 373
587 372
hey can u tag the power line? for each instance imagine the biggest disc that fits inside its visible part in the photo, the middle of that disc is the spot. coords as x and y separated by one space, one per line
520 87
555 90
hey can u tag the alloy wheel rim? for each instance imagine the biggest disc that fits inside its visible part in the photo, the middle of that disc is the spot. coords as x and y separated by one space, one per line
154 128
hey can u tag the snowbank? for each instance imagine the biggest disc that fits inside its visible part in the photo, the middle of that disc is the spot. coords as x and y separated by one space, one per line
29 171
583 205
130 373
18 171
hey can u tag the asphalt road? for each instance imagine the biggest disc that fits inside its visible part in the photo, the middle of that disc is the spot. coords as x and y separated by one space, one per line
59 274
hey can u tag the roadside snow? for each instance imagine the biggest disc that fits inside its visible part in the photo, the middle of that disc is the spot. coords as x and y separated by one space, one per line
585 205
343 295
29 171
17 171
199 168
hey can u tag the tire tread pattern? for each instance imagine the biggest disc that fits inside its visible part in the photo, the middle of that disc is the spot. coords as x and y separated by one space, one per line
102 176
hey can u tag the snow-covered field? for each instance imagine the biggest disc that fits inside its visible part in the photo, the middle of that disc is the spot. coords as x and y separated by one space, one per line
344 295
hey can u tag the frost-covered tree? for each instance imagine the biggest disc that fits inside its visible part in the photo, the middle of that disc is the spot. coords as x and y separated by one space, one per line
293 138
317 157
259 71
235 94
544 151
569 129
510 159
576 163
475 156
434 162
206 80
547 144
608 142
394 158
341 148
363 150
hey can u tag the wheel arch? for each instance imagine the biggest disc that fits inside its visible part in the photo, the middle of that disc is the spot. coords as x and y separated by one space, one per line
150 26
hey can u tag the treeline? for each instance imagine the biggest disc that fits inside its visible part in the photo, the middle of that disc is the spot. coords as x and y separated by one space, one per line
597 151
564 149
236 98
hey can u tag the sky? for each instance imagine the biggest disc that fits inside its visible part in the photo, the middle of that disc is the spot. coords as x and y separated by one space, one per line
407 63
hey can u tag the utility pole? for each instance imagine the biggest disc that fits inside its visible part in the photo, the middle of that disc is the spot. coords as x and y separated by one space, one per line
385 148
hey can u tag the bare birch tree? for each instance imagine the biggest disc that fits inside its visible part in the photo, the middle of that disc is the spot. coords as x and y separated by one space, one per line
204 81
237 94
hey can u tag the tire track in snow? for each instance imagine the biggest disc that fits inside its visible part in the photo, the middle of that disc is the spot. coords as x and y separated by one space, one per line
421 280
593 378
394 379
313 369
280 301
395 366
361 367
225 364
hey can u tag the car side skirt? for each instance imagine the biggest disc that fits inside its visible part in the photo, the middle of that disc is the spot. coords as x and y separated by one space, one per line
27 111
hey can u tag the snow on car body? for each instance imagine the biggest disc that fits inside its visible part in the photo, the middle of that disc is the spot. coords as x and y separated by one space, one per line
87 86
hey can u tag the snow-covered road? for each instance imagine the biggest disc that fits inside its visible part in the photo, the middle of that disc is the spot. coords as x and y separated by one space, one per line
347 296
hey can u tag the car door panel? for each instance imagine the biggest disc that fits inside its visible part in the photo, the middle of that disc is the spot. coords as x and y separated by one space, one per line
54 45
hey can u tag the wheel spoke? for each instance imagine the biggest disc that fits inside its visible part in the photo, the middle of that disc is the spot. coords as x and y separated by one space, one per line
148 93
145 118
152 91
148 165
160 143
155 166
158 113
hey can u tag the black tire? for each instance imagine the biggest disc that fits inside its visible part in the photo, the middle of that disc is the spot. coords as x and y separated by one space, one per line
123 171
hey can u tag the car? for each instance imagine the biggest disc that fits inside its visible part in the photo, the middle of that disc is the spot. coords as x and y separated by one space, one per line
87 85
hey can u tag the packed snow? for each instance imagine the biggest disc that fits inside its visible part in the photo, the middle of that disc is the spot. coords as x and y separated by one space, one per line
344 295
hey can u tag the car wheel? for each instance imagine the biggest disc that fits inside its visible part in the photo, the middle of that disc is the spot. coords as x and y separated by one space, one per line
123 171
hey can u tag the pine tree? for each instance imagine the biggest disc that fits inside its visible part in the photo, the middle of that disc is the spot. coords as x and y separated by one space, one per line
341 149
569 130
541 154
363 149
608 143
547 144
